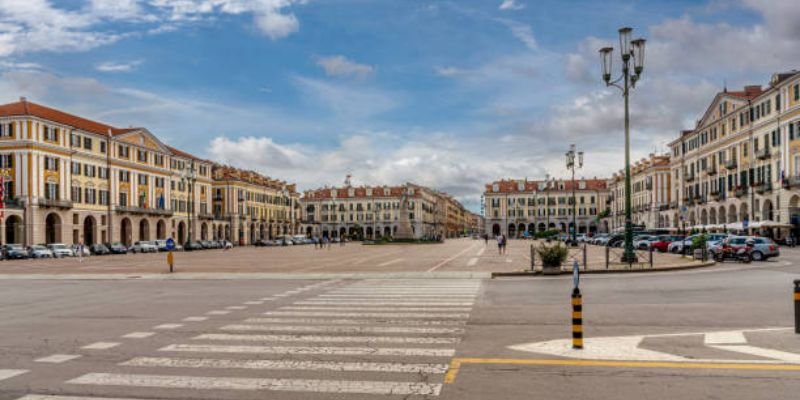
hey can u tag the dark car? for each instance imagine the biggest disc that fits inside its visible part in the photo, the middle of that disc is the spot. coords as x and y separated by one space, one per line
616 240
117 248
99 249
14 252
192 246
205 244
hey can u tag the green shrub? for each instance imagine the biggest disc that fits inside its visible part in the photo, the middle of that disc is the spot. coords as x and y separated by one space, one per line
548 233
699 242
552 256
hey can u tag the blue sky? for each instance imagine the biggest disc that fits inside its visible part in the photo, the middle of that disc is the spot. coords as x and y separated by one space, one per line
450 94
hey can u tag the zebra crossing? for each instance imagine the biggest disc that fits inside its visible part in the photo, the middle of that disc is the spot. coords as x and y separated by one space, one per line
370 337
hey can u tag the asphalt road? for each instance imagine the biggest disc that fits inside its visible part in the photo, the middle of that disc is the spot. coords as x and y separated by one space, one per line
722 332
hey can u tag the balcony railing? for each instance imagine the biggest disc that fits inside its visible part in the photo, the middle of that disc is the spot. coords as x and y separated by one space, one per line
711 170
731 164
791 181
690 177
763 187
205 216
763 154
14 203
143 210
741 191
673 205
57 203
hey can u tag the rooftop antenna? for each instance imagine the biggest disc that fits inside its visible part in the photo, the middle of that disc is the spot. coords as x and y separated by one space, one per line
347 180
724 86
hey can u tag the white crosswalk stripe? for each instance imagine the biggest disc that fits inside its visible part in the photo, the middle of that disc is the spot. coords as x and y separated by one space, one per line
342 329
324 339
400 333
230 383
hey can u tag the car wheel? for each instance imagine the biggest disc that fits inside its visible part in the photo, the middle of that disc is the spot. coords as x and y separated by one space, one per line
757 256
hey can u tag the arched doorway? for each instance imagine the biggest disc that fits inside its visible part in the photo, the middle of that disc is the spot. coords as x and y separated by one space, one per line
181 232
541 227
703 217
252 233
144 229
387 231
161 229
14 231
531 229
125 232
89 231
262 231
52 228
342 232
495 230
512 230
521 230
767 211
204 231
310 231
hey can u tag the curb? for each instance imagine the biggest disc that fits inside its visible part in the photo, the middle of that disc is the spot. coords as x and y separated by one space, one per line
607 271
249 276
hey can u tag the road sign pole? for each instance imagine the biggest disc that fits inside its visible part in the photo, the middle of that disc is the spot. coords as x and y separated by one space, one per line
577 308
170 261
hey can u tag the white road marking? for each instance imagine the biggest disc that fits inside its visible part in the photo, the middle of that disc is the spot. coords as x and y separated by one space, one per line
138 335
100 346
401 296
352 321
168 326
309 350
285 365
480 252
439 265
57 358
280 295
325 339
472 261
375 308
267 298
195 319
508 260
342 329
218 312
379 303
287 385
253 303
10 373
235 308
729 337
365 315
395 261
782 356
49 397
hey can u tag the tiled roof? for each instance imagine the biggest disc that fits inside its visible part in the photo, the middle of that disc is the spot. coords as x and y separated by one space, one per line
512 186
24 107
358 192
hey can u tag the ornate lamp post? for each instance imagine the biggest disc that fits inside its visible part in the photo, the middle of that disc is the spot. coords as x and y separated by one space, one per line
571 164
632 52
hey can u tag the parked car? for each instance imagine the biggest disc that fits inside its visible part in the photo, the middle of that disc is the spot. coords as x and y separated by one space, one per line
205 244
60 250
161 244
226 244
144 246
82 251
13 251
99 249
763 248
661 243
192 246
677 246
642 242
117 248
39 251
615 240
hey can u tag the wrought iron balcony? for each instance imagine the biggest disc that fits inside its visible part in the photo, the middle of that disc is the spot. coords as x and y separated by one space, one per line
731 164
56 203
763 154
690 177
763 187
791 181
17 203
711 170
740 191
205 216
143 210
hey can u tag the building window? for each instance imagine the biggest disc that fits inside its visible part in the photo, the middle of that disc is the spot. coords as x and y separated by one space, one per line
89 170
6 161
50 164
87 143
7 130
76 168
50 134
142 179
159 160
103 197
124 176
75 140
123 199
124 151
102 147
91 196
51 191
141 155
103 173
76 194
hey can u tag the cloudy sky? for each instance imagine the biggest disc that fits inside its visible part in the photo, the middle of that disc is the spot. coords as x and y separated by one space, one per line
450 94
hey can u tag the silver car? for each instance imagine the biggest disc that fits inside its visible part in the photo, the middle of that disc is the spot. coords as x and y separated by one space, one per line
144 247
763 248
39 251
60 250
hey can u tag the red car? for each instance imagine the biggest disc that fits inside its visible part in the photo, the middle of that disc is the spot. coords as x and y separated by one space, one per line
663 242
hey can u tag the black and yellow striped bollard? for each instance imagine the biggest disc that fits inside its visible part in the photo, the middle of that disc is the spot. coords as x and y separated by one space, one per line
577 319
797 306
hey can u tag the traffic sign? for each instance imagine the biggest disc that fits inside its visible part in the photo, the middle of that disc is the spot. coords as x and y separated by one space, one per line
576 275
170 244
745 223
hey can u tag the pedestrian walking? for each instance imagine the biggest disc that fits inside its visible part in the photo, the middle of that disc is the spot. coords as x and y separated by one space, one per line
503 238
499 239
485 239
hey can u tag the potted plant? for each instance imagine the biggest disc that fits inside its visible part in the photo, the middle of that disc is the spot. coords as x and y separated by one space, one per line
552 257
699 247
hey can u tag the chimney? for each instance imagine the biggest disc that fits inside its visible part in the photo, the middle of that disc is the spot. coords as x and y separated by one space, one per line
23 99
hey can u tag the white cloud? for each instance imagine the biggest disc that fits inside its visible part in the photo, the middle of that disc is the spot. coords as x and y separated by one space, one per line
523 32
450 71
511 5
110 66
341 66
349 102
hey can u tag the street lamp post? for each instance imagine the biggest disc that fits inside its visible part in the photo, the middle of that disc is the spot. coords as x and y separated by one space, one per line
571 164
632 51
